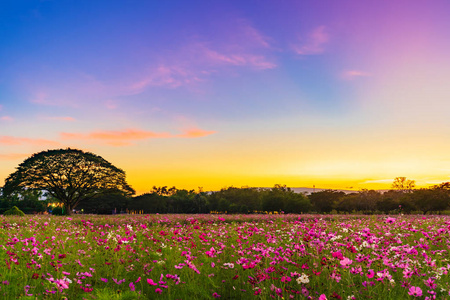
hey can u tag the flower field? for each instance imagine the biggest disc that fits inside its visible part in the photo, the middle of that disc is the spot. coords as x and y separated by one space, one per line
225 256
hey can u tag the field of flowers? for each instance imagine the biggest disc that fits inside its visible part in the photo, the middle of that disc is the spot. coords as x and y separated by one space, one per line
224 256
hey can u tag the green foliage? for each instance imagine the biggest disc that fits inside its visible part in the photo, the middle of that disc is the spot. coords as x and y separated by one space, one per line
28 201
14 211
105 204
68 175
59 211
109 294
325 201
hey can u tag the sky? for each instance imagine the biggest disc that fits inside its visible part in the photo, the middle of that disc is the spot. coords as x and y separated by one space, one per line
212 94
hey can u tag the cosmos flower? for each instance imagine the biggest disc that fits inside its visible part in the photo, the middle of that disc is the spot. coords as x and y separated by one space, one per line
415 291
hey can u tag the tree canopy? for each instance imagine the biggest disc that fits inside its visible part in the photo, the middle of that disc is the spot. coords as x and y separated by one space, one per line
69 175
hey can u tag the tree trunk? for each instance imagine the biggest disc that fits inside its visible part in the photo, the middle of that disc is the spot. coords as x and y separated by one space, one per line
68 208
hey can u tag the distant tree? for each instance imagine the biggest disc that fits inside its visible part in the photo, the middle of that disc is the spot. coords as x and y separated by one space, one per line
404 185
349 203
390 201
369 199
150 203
427 200
325 201
163 190
282 198
68 175
105 204
235 200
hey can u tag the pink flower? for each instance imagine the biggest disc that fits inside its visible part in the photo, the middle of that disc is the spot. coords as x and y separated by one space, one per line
370 273
390 220
415 291
322 297
151 282
215 295
346 261
158 290
337 254
132 286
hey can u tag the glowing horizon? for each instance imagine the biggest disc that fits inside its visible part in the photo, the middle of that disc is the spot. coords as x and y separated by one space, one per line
201 94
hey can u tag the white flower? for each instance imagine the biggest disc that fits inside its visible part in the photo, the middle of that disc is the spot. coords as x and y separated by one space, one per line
302 279
229 265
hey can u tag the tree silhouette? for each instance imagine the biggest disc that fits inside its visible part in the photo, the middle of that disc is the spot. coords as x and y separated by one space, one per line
69 175
404 185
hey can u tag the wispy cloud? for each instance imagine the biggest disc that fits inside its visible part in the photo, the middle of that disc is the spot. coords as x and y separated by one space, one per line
315 43
64 119
197 59
6 118
170 75
128 136
195 133
110 104
353 74
14 141
251 35
237 59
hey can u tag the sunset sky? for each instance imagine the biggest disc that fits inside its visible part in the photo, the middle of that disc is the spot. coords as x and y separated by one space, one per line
336 94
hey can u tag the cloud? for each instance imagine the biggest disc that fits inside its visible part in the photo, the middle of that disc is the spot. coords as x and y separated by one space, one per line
6 118
110 104
352 74
65 119
13 156
195 133
171 76
238 59
251 35
197 59
127 136
315 44
13 141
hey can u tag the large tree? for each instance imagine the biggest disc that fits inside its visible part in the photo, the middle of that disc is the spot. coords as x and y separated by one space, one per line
69 175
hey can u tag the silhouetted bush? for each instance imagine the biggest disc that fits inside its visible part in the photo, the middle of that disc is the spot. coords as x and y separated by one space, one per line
14 211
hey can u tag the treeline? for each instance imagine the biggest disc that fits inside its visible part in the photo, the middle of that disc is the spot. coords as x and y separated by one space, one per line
250 200
280 198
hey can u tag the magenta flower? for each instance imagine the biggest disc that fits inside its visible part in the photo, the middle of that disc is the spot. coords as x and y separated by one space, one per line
370 273
322 297
158 291
132 286
151 282
415 291
215 295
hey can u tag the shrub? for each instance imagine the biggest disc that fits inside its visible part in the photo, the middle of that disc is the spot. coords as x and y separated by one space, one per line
14 211
59 211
